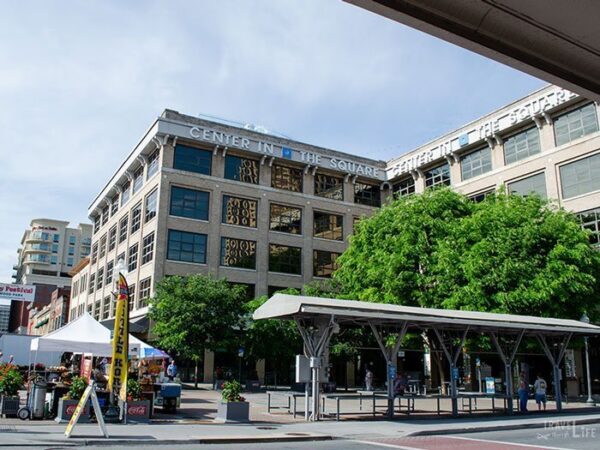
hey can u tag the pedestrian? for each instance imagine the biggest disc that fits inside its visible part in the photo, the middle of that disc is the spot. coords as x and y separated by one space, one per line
523 393
369 379
540 387
172 370
399 385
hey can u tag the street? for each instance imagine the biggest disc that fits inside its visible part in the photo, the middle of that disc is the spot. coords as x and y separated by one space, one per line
556 436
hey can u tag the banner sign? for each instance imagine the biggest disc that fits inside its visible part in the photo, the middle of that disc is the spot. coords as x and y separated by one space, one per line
20 292
117 380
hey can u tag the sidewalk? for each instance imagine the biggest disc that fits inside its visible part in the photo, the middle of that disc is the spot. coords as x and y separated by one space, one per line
28 433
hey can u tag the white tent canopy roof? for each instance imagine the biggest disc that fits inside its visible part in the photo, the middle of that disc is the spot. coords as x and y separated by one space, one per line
283 306
83 335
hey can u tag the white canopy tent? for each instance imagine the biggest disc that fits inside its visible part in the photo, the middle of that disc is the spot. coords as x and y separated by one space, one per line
83 335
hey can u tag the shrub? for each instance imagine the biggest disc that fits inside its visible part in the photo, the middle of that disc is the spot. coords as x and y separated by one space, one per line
77 388
11 380
134 390
231 392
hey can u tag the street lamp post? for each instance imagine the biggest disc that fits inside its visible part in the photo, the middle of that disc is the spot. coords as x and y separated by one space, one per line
590 400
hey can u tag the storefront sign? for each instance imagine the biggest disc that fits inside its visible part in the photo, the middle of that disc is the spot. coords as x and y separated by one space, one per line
346 166
485 129
21 292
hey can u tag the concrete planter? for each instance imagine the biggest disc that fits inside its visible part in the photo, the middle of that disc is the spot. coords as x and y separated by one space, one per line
139 411
9 405
66 408
233 412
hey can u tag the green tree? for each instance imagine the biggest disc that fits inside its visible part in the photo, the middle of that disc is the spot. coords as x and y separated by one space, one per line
196 313
507 254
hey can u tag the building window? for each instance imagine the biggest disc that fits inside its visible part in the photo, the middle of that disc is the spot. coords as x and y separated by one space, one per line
324 263
438 176
189 203
476 163
404 187
153 163
71 251
106 308
241 169
53 259
70 262
580 177
148 248
138 179
131 296
72 240
123 229
112 238
192 159
92 285
285 259
83 284
151 205
186 247
132 258
125 193
522 145
590 220
575 124
239 253
54 248
329 186
239 211
145 285
287 178
110 266
89 308
114 205
367 194
121 257
97 225
105 214
102 246
136 217
286 219
328 226
94 253
481 196
99 279
97 309
535 184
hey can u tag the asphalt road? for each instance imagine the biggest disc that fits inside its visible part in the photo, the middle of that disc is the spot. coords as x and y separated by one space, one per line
554 436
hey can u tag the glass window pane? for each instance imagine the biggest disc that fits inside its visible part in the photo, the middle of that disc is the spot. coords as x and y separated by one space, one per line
535 184
241 169
367 194
575 124
329 186
239 211
287 178
286 219
192 159
476 163
285 259
238 253
187 247
438 176
580 177
328 226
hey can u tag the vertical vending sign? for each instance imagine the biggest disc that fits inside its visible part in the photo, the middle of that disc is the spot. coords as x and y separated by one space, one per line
117 380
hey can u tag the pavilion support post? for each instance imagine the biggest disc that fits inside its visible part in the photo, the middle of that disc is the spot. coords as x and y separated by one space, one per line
452 353
316 337
390 355
555 359
508 359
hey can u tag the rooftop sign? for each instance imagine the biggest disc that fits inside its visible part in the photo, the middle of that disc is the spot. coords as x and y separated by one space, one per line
340 164
526 110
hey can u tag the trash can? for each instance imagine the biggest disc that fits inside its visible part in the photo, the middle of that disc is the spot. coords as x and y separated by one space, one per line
38 399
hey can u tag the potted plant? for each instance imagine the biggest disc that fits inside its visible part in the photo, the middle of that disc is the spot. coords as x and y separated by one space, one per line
233 407
138 409
11 381
68 403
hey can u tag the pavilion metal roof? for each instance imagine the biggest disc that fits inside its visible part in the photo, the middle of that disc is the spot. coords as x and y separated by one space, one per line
283 306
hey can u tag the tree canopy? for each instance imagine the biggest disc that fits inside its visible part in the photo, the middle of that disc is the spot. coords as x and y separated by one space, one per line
196 313
509 254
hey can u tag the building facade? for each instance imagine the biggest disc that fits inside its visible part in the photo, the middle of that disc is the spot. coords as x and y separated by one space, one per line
196 196
47 318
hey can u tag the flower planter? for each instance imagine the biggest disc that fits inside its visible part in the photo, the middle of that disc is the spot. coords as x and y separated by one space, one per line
66 409
9 405
139 411
233 412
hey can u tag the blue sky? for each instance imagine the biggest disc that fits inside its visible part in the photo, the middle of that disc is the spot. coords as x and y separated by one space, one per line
81 80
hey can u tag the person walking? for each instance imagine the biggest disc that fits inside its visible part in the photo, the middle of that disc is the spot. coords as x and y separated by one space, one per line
523 393
540 387
172 370
369 379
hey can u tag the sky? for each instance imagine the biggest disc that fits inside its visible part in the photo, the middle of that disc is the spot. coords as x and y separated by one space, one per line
82 80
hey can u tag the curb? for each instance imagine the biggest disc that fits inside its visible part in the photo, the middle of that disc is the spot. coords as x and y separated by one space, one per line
506 427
